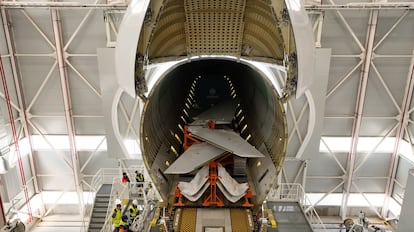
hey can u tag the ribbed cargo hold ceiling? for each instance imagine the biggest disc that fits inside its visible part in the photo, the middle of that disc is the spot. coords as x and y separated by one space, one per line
242 28
169 109
214 27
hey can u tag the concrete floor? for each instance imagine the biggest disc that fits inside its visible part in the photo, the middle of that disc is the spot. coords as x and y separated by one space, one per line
61 223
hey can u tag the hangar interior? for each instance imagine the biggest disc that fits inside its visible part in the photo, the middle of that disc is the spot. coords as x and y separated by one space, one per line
350 133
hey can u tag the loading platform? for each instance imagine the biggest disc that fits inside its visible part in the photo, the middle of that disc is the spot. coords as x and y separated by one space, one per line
213 219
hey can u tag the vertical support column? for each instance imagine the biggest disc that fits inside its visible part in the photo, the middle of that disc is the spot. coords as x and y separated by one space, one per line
405 222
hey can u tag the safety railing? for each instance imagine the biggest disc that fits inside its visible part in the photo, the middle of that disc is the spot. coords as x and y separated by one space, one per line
287 192
294 192
121 193
103 176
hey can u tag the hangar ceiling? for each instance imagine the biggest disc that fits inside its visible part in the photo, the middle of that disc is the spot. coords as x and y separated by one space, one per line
50 69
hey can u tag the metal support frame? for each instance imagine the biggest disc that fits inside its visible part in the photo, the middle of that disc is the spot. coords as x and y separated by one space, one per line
130 119
363 6
296 121
15 141
91 156
61 55
404 117
366 62
317 27
368 51
301 170
391 177
369 154
110 28
367 200
23 115
66 5
334 156
343 79
23 111
57 31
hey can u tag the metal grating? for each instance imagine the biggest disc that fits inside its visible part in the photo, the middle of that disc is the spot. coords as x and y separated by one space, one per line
188 221
214 27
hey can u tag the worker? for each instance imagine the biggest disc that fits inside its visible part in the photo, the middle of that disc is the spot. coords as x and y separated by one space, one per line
361 217
133 209
150 193
125 179
117 217
123 228
139 178
124 223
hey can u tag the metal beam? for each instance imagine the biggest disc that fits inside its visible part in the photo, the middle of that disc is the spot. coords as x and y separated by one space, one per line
75 33
42 86
363 6
130 120
374 209
66 5
343 79
93 88
38 29
296 122
57 32
387 89
92 154
374 149
23 112
391 29
404 117
327 194
15 142
334 156
348 27
359 108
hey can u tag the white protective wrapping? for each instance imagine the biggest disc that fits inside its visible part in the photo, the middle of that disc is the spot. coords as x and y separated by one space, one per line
232 190
198 194
227 194
195 188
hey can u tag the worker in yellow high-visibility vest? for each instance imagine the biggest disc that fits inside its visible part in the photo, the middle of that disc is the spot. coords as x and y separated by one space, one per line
139 178
117 217
133 209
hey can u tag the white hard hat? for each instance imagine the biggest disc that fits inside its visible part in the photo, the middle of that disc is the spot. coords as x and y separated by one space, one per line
135 202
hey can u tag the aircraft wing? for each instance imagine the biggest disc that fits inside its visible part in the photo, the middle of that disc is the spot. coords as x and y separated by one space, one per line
226 140
194 157
221 113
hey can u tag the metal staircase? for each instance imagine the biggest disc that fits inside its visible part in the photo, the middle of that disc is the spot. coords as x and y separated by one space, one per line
293 209
100 208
